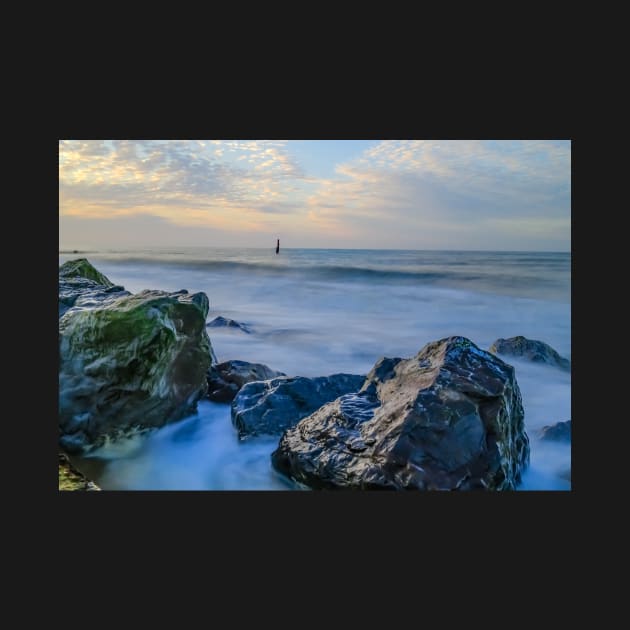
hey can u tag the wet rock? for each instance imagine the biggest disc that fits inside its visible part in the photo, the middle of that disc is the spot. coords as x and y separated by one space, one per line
128 363
558 432
81 286
530 349
450 418
82 268
224 322
269 407
71 479
226 379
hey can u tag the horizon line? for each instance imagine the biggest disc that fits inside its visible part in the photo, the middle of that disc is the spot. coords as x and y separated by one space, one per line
69 250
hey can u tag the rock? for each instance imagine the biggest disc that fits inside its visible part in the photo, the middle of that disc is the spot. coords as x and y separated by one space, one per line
223 322
536 351
450 418
128 363
81 268
81 286
81 293
558 432
270 407
71 479
226 379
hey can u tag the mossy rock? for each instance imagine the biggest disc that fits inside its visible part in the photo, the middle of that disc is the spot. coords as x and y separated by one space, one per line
131 365
71 479
82 268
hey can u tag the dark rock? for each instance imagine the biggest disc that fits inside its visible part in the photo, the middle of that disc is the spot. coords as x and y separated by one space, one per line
270 407
558 432
128 363
223 322
226 379
450 418
536 351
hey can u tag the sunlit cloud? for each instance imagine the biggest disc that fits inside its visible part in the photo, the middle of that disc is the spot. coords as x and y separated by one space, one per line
473 190
141 176
413 193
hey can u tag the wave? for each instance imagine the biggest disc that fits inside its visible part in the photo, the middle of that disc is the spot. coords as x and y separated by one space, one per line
327 272
521 274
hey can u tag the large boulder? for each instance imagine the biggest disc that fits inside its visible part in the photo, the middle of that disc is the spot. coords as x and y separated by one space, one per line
450 418
269 407
226 379
129 363
530 349
558 432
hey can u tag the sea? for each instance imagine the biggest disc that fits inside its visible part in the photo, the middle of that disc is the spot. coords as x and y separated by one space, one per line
315 312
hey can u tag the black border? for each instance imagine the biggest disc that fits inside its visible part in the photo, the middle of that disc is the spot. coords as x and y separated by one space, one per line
277 520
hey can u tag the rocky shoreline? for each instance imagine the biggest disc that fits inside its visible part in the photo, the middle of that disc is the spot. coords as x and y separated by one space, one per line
449 418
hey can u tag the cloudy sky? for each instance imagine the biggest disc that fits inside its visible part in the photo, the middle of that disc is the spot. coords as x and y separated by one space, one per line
408 194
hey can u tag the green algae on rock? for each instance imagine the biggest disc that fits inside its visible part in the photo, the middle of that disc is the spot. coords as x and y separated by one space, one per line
82 268
81 287
71 479
129 363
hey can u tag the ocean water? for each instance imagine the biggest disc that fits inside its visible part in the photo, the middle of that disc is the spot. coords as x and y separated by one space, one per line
315 312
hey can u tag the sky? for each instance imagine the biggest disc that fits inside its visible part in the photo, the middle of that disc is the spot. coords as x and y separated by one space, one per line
392 194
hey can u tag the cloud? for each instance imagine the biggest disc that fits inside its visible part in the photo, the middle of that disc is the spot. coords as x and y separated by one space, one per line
478 194
97 178
408 193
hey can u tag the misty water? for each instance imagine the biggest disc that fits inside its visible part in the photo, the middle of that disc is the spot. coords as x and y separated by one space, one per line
320 312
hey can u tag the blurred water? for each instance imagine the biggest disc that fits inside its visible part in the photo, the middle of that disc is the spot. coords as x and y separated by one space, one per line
317 312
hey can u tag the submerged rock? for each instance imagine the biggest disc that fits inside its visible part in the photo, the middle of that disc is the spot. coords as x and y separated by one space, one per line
223 322
269 407
226 379
128 363
450 418
558 432
536 351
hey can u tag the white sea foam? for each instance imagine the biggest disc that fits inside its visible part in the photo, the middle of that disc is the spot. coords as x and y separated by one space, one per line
199 453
